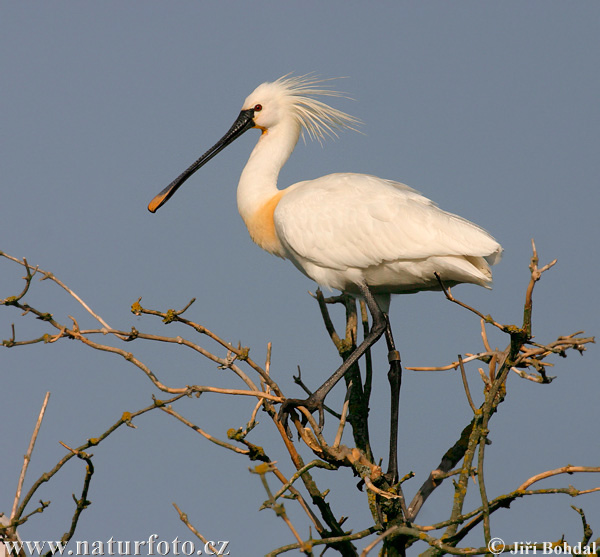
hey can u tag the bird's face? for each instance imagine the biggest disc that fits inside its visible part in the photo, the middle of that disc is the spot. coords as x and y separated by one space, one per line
266 106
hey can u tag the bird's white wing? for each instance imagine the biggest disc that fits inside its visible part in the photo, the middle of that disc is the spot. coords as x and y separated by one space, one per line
356 220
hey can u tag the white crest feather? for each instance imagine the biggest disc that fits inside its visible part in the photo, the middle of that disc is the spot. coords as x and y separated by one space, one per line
317 119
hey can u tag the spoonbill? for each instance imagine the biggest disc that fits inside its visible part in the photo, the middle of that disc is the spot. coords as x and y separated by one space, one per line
357 233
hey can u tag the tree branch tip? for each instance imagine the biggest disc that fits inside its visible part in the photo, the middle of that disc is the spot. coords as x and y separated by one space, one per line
548 266
75 324
262 468
298 378
182 516
76 452
406 477
136 307
181 311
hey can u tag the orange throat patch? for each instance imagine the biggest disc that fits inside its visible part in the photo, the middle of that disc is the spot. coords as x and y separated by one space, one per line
261 226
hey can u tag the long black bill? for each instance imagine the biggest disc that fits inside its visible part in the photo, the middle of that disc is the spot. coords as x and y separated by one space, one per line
243 123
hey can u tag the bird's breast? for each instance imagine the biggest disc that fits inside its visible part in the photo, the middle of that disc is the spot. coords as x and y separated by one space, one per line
261 226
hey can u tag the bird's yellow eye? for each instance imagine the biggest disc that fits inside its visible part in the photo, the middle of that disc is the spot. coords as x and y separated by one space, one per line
257 107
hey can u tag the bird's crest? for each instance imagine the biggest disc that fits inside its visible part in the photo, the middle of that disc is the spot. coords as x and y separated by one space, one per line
316 118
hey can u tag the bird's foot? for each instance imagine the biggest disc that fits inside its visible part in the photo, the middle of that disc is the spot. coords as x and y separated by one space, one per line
312 403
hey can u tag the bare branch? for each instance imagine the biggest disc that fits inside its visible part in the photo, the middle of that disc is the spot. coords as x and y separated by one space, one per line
340 431
49 275
535 276
82 503
451 298
392 520
124 419
169 410
587 530
278 508
482 356
299 473
327 320
568 469
184 518
329 542
28 454
466 384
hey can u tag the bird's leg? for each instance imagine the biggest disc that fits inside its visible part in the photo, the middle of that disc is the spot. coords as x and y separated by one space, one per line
315 401
395 379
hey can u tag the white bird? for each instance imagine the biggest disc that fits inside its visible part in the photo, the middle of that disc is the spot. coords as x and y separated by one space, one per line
353 232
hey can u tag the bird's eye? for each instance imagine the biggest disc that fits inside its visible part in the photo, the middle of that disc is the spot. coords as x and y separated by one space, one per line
257 107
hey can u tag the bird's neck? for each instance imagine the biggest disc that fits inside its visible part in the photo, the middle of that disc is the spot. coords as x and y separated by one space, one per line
257 193
258 182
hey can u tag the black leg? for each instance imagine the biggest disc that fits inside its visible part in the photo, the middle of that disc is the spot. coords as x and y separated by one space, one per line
395 379
315 401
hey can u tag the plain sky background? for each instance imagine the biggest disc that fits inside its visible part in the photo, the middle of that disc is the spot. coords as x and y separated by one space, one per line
489 108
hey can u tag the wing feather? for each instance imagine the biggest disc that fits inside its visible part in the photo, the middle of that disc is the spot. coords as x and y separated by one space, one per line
356 220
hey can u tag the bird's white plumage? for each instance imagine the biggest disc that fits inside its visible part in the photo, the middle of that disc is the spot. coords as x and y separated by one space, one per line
342 229
342 226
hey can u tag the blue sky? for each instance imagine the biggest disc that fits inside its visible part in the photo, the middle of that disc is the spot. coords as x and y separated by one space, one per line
490 109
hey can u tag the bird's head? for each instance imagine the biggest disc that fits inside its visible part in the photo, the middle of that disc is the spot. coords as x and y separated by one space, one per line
268 105
289 99
296 98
